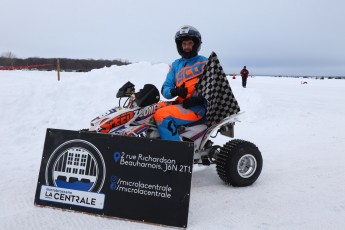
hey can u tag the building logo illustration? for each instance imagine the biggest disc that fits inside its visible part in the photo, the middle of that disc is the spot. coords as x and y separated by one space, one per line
78 165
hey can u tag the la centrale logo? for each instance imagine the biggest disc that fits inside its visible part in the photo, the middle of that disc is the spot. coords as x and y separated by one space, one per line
78 165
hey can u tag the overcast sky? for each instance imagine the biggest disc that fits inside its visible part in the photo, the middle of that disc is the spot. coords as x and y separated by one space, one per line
299 37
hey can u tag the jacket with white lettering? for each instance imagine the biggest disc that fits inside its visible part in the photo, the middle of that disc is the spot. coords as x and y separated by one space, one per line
184 71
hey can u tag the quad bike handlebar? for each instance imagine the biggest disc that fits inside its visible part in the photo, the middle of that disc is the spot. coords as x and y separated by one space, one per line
146 96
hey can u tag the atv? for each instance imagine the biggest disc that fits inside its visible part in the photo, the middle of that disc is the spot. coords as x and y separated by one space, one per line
238 162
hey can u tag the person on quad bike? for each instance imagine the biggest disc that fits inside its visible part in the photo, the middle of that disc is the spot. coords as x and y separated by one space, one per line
184 73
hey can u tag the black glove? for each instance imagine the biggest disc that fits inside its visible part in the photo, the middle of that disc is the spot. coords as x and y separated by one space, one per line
192 101
179 91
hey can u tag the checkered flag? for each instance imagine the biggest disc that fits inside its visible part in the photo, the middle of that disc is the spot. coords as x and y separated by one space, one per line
215 88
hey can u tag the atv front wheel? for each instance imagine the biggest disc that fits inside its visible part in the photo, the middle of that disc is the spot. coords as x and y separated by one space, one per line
239 163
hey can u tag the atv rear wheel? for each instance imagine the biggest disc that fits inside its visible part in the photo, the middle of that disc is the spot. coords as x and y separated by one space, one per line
239 163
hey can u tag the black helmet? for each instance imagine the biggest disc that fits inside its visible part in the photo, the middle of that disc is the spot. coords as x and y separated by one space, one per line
186 33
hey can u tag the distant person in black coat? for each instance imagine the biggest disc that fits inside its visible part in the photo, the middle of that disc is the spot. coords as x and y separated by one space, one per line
244 75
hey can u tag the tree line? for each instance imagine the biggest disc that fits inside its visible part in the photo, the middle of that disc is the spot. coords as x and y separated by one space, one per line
66 64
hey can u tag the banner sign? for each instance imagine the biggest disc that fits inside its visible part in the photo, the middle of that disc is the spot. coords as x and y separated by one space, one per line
126 177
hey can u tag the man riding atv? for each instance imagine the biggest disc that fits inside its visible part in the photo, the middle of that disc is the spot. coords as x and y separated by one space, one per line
203 94
180 81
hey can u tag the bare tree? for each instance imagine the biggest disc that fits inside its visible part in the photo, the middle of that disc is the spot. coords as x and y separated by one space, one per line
9 58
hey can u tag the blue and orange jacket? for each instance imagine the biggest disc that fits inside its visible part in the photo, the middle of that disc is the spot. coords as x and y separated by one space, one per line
184 71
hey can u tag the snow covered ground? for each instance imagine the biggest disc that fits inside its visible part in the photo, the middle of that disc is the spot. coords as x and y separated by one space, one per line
300 130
